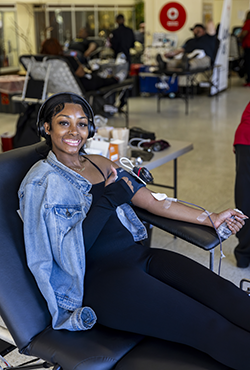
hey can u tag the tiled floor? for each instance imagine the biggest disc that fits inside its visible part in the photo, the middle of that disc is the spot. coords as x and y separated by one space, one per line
206 174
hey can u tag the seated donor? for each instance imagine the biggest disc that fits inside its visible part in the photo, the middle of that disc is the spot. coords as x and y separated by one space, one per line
83 45
242 185
197 52
82 241
89 81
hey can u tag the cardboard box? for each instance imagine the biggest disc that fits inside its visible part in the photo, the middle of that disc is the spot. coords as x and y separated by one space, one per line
105 131
97 147
113 152
122 135
117 147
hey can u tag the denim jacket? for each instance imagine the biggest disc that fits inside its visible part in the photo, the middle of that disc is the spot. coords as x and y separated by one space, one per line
54 200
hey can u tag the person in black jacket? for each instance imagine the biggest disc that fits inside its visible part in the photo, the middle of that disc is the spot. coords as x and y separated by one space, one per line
122 38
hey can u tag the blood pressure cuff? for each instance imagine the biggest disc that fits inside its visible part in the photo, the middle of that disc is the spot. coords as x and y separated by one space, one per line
137 184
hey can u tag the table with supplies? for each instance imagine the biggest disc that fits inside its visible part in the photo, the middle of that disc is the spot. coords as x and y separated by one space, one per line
172 153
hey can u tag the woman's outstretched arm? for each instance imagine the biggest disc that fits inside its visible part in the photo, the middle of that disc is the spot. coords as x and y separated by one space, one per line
179 211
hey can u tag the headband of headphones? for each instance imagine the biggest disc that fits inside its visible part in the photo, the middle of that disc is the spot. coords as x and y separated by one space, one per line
65 97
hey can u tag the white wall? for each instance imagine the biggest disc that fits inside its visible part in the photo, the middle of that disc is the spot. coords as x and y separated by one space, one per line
194 9
152 10
239 9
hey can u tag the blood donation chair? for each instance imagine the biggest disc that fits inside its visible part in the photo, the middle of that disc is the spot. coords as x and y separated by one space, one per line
210 79
25 313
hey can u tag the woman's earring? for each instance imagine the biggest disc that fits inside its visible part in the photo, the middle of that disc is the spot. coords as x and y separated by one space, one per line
46 128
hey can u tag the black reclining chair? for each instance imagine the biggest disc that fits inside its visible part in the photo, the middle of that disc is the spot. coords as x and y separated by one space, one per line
25 312
210 80
56 74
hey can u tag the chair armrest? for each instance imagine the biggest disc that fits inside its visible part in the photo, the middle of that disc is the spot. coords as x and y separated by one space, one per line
202 236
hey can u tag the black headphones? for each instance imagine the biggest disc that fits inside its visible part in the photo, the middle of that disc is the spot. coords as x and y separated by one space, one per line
41 119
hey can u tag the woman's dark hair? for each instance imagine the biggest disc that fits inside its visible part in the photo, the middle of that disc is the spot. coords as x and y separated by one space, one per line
54 106
51 47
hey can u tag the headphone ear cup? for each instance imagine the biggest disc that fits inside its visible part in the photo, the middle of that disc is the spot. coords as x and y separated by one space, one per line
91 128
42 132
41 129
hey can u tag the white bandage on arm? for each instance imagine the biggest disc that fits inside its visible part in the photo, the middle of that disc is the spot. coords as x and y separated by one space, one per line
202 217
165 198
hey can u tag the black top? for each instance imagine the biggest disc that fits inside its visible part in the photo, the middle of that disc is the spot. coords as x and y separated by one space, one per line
104 234
207 43
122 39
79 44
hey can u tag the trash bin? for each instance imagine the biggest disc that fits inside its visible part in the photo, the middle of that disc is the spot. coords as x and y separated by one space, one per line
7 141
10 85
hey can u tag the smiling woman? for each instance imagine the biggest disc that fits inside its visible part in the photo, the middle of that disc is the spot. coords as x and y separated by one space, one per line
68 134
83 246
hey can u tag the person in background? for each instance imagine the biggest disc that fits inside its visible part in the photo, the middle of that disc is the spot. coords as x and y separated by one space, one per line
140 34
242 185
197 52
89 81
82 45
51 46
244 36
122 38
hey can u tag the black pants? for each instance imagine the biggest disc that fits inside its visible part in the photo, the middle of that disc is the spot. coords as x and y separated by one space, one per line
166 295
247 63
242 198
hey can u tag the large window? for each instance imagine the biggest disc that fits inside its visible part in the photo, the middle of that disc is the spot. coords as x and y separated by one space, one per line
106 20
61 25
65 21
8 39
85 18
40 28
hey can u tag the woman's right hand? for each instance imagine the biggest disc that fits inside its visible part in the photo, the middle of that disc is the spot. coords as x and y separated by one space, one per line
113 176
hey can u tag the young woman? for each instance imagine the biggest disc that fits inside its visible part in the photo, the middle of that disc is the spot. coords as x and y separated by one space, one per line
83 246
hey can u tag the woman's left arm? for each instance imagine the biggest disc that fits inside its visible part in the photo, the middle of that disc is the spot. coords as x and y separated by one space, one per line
179 211
144 199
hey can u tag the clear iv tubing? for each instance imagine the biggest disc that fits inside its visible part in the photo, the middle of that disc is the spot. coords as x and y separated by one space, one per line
4 361
219 237
191 204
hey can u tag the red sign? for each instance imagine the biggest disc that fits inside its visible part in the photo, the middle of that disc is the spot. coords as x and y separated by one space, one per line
173 16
